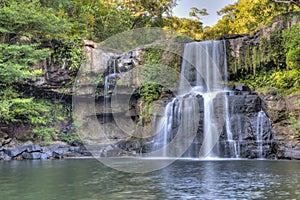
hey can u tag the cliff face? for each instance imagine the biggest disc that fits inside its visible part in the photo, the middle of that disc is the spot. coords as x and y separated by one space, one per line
263 51
246 54
284 113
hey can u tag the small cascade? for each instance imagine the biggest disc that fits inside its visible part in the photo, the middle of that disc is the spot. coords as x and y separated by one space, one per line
110 79
171 119
109 84
262 126
233 144
180 113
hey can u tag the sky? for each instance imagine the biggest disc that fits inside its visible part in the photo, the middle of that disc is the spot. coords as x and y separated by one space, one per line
184 6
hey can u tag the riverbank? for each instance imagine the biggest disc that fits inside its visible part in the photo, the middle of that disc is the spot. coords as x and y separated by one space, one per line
34 151
60 150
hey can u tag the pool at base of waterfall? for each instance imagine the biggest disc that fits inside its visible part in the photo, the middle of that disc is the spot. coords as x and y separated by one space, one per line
184 179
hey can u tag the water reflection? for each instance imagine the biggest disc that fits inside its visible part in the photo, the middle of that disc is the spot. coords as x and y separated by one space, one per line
185 179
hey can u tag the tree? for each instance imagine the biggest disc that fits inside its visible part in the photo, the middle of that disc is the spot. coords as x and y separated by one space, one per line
190 27
24 24
149 12
28 20
295 2
195 12
246 16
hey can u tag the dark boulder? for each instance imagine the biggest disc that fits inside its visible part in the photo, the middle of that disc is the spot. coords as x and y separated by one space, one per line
31 156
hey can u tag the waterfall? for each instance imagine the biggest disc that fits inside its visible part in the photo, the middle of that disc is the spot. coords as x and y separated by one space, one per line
233 144
262 124
109 83
205 119
203 68
110 79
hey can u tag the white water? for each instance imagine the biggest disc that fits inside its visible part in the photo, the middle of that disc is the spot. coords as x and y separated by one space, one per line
203 68
261 120
234 146
203 82
109 82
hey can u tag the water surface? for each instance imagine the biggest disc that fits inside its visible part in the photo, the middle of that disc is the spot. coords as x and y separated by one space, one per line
184 179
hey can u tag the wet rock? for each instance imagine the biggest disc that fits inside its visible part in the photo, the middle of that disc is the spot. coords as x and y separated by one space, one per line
32 148
242 87
251 130
13 152
31 156
45 156
1 154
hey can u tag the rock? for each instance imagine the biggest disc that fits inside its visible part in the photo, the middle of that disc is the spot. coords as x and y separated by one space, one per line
45 156
33 148
244 51
233 36
31 156
13 152
291 154
278 109
1 154
90 43
57 155
6 157
4 139
248 122
242 87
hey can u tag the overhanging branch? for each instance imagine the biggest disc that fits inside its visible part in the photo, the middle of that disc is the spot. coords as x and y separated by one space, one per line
295 2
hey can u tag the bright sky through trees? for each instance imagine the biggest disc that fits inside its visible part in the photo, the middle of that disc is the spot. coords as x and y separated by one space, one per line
184 7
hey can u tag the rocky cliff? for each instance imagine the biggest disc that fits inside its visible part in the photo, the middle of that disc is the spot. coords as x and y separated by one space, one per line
262 50
246 54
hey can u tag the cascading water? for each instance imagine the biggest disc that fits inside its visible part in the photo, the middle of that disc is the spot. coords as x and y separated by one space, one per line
203 68
109 83
109 80
204 80
262 122
212 120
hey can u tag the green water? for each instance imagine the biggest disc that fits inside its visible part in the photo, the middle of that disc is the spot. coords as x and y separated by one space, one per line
185 179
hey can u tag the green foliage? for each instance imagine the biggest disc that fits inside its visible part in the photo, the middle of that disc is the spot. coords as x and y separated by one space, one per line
104 28
42 115
98 20
16 62
153 55
185 26
44 133
150 12
150 91
281 82
24 24
69 53
28 20
286 79
246 16
69 137
294 122
276 49
279 53
291 43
